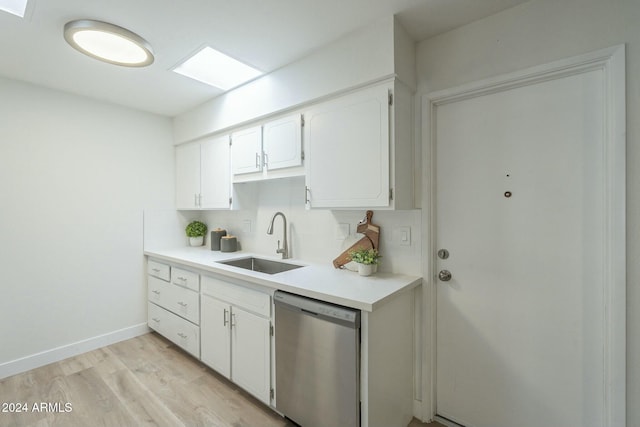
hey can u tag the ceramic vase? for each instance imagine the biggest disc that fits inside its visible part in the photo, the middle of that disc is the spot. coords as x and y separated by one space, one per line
196 241
366 269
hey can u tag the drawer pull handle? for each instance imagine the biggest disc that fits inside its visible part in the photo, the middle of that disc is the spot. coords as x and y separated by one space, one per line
156 292
181 335
225 319
184 279
233 320
182 304
156 270
155 319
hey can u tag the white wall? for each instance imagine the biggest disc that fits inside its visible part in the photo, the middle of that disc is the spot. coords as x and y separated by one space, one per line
538 32
314 234
75 176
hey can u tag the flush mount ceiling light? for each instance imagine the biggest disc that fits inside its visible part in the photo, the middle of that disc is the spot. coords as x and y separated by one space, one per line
217 69
108 43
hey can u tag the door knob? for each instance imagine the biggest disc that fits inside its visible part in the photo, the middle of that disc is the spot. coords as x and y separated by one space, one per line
444 275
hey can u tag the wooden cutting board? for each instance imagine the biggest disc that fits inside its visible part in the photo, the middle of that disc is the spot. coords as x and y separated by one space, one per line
371 240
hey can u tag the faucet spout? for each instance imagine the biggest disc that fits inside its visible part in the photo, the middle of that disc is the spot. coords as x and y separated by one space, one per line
285 247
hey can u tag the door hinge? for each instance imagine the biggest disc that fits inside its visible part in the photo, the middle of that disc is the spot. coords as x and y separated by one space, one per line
271 329
391 194
302 155
230 140
271 393
390 98
230 200
302 120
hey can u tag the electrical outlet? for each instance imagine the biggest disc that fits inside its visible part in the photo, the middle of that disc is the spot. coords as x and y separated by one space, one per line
246 226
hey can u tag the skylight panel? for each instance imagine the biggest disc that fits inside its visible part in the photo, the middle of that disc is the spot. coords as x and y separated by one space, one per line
15 7
217 69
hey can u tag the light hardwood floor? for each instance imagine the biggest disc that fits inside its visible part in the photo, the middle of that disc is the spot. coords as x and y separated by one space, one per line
144 381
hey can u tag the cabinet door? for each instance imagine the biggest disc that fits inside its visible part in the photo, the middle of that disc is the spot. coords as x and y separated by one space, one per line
187 176
282 142
348 145
247 150
215 338
215 173
250 341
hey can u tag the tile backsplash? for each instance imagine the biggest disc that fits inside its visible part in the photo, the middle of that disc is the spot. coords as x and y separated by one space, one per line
314 235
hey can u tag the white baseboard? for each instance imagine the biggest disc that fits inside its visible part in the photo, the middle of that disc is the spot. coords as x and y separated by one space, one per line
37 360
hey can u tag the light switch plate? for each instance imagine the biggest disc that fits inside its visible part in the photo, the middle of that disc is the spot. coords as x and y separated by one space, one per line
402 236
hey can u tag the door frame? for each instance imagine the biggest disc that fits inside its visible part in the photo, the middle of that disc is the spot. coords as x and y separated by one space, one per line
612 62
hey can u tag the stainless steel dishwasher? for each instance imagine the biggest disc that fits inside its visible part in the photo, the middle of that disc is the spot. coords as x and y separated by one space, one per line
317 348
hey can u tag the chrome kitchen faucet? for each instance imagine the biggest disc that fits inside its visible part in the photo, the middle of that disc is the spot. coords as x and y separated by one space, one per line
285 247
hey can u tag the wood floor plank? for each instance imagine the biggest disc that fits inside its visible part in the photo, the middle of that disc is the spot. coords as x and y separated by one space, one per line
32 387
93 403
142 404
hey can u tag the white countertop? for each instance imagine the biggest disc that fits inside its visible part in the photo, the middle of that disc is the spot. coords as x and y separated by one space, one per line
314 280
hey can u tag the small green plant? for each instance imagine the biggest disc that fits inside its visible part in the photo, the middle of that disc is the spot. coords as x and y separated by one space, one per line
196 229
364 256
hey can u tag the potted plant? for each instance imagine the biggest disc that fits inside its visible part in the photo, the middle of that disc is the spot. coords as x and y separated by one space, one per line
367 260
196 230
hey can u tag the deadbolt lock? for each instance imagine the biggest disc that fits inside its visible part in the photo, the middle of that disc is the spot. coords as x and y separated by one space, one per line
443 254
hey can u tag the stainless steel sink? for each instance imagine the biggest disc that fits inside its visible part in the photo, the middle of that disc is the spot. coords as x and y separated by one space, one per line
262 265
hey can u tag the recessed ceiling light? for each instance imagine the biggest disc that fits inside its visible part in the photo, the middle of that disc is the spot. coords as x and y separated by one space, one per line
217 69
16 7
108 43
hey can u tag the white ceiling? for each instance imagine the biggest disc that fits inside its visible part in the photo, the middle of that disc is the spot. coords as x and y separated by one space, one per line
266 34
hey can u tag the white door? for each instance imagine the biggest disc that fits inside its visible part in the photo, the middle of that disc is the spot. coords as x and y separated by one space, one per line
215 336
215 173
187 176
251 355
520 208
282 142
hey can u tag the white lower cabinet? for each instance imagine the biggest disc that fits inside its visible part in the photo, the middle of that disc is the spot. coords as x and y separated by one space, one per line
176 329
173 310
216 339
235 341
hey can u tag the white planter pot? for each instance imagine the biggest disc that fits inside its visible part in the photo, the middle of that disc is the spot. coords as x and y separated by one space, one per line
196 241
366 269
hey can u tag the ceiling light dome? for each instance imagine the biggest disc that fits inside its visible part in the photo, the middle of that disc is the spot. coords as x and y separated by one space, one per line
109 43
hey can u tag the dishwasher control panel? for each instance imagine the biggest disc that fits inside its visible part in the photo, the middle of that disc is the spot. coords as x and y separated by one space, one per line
319 308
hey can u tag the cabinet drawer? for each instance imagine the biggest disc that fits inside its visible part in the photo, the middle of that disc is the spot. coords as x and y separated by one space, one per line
158 270
176 329
181 301
185 278
237 295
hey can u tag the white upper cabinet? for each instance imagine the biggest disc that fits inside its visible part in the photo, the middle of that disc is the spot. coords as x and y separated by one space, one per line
247 150
271 150
203 176
360 151
282 143
187 176
215 173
